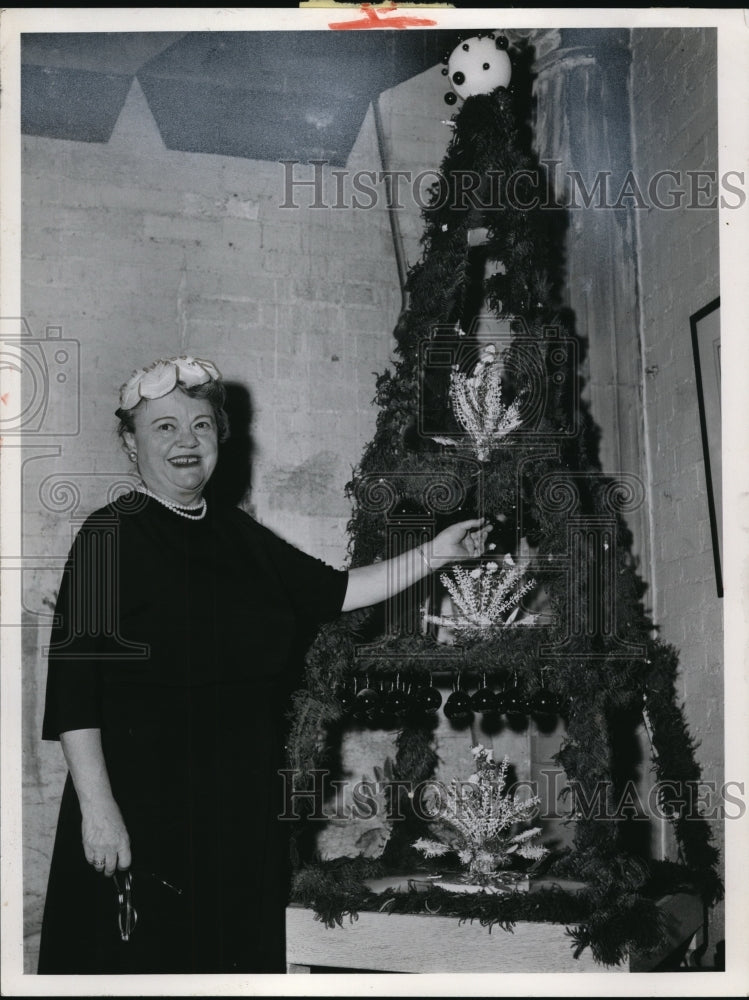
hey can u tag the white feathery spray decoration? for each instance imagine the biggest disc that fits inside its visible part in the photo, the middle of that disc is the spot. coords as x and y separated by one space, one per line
477 404
478 817
483 597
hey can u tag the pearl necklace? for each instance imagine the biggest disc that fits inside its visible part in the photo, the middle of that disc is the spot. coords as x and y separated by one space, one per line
202 507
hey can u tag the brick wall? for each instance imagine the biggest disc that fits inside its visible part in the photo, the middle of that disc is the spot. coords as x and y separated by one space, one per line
674 109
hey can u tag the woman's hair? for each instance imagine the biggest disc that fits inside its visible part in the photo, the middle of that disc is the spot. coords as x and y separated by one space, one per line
213 391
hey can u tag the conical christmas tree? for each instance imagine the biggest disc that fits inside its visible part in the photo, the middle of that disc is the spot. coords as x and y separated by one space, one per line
482 416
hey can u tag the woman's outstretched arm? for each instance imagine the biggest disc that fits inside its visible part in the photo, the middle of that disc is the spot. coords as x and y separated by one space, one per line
369 585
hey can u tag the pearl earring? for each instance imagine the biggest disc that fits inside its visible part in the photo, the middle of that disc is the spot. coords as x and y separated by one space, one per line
132 455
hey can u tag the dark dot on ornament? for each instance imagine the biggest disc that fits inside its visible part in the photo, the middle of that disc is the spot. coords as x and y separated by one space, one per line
450 98
501 42
466 46
486 66
445 71
491 35
459 78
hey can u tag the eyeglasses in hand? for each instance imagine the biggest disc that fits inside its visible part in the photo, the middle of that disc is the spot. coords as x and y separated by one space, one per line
127 916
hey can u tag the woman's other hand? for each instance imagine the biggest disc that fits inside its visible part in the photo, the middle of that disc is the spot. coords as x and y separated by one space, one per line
105 839
106 843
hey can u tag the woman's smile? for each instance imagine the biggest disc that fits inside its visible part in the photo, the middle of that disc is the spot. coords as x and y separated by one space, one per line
185 460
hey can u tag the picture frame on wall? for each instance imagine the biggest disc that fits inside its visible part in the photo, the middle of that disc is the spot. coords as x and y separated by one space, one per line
705 330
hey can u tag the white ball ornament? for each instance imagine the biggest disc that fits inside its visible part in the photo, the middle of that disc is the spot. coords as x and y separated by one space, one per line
478 66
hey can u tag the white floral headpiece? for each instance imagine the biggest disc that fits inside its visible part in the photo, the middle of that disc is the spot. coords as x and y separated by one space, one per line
162 376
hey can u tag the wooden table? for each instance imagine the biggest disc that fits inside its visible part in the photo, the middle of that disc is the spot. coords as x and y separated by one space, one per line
381 942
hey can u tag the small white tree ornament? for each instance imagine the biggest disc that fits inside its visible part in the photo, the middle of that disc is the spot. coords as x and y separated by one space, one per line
477 404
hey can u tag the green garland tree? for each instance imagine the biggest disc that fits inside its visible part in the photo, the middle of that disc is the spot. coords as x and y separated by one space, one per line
597 655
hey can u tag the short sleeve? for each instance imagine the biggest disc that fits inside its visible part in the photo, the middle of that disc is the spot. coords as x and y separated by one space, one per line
316 590
73 669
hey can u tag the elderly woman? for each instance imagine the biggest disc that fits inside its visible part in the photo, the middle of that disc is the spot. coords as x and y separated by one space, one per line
177 626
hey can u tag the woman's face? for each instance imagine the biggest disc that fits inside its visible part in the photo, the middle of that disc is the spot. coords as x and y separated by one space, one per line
176 441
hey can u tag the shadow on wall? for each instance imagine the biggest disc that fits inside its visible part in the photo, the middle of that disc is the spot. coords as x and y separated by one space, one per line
232 481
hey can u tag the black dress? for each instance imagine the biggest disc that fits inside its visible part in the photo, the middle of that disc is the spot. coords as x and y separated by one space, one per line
179 639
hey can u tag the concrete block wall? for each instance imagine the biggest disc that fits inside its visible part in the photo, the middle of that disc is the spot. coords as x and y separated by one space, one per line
416 143
674 113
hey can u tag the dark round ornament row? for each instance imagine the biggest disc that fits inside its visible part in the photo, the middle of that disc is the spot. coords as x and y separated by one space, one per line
383 706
